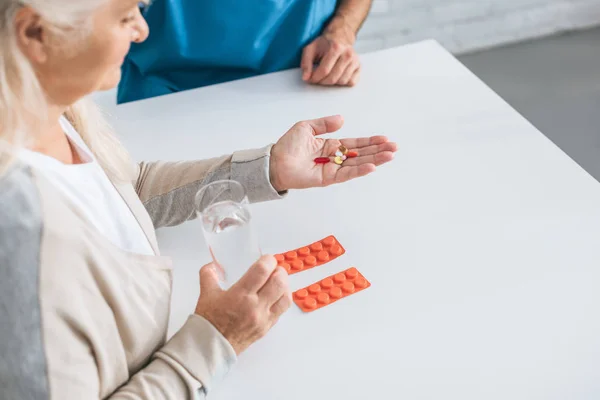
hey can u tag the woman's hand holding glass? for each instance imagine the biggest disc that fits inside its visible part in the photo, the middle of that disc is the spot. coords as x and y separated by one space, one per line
245 312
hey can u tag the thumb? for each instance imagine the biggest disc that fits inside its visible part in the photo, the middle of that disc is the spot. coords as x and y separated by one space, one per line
324 125
308 60
209 280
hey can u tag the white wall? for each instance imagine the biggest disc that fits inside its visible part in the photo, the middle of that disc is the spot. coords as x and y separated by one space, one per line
466 25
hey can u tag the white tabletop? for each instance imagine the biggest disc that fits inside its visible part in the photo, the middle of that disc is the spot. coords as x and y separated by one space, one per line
481 240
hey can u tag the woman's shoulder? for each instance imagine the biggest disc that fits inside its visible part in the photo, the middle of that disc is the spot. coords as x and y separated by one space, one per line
20 222
20 210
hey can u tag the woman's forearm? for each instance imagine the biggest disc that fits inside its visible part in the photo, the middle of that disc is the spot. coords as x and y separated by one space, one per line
168 189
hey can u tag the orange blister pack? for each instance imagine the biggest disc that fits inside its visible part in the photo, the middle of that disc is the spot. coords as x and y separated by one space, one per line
330 290
311 256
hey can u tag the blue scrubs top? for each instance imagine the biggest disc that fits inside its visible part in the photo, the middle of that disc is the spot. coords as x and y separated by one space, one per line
195 43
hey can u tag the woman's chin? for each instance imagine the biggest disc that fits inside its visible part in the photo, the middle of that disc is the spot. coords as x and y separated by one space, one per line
110 81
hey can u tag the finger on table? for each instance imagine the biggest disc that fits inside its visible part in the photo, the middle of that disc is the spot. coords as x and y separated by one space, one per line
355 78
309 55
349 72
337 71
325 66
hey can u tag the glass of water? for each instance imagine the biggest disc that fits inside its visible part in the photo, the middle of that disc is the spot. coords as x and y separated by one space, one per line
223 211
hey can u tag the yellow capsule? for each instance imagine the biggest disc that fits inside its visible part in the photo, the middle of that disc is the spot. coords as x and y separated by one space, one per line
343 149
338 160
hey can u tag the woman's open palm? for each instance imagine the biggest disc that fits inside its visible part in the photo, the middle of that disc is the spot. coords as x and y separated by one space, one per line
292 157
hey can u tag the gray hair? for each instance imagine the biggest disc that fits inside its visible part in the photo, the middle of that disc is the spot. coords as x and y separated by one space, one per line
22 100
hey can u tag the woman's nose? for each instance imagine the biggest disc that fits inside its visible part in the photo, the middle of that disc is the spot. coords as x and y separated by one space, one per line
141 29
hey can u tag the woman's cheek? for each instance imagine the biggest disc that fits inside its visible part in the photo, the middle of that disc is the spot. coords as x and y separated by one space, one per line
118 47
121 50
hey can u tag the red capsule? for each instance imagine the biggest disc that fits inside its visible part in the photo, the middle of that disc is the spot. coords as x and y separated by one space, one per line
322 160
352 154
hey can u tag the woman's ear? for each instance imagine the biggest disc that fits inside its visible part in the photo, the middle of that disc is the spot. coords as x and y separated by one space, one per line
31 36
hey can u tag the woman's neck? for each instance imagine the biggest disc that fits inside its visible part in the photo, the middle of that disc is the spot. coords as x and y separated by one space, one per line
53 141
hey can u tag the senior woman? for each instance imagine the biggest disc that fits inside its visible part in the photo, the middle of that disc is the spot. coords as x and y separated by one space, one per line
84 293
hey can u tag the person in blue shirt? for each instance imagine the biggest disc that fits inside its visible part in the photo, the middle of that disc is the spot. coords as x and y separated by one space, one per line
195 43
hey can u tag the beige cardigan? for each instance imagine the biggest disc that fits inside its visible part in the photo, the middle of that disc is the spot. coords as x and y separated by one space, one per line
82 319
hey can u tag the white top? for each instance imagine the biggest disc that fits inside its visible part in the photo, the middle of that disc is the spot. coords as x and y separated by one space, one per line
481 239
87 187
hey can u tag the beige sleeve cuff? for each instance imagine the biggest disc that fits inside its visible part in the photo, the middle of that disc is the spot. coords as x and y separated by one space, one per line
200 353
252 169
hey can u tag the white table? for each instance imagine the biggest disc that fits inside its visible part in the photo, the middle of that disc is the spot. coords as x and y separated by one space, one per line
481 240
